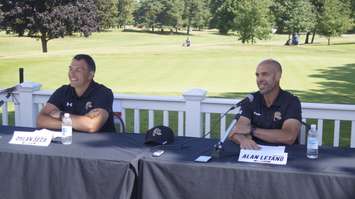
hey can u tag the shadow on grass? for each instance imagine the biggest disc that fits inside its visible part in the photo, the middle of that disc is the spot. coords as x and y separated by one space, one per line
340 43
337 85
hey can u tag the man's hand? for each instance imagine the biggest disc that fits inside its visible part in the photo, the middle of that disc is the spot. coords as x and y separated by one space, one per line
245 141
241 134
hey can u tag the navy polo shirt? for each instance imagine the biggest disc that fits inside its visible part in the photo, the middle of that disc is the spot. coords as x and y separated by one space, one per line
95 96
285 106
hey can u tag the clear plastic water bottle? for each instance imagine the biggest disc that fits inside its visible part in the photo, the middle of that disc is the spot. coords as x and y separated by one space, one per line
67 129
312 143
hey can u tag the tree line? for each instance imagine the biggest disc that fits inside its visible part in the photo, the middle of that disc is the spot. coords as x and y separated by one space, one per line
249 19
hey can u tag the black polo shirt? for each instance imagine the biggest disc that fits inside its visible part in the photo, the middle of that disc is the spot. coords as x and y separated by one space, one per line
285 106
95 96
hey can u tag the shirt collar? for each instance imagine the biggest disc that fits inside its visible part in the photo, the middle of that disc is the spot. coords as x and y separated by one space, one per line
278 100
87 91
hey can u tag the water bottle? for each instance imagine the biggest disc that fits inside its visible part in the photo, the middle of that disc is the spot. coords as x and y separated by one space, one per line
67 129
312 143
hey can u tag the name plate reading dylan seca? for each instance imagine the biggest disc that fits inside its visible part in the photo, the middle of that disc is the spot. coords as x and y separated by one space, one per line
263 157
31 138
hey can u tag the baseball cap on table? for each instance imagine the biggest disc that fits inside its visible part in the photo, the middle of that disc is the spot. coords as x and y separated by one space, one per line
159 135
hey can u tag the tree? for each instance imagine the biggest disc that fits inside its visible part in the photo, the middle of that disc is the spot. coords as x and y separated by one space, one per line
125 12
1 14
353 16
196 13
225 15
280 10
202 19
48 20
335 18
252 20
106 13
147 13
171 13
301 17
294 16
214 5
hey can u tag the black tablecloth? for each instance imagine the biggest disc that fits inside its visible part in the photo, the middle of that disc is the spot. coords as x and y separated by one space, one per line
102 165
175 175
106 165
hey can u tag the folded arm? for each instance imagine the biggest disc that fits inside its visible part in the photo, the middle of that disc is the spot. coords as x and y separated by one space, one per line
286 135
241 134
49 117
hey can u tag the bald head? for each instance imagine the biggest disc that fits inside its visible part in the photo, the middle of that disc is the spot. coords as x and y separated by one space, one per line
268 75
272 63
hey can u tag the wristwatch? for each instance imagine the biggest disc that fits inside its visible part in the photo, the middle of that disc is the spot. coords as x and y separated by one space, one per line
61 115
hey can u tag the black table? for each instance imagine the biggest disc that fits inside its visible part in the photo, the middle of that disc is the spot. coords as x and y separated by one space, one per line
106 165
175 175
102 165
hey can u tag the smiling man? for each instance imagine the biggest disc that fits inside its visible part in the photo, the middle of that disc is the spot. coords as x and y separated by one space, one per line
274 116
89 103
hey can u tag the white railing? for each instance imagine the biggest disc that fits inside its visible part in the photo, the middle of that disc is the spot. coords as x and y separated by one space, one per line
193 111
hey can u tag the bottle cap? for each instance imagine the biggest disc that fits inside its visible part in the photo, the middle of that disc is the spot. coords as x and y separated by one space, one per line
66 115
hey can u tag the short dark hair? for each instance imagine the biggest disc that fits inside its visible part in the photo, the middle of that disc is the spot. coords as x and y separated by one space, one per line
88 59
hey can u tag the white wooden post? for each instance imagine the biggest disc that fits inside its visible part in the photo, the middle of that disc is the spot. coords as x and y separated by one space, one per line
27 109
193 120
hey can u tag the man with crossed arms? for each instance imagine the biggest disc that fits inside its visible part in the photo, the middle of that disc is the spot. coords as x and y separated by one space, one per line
89 103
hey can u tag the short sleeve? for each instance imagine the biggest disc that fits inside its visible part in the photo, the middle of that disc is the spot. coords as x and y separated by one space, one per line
246 111
293 110
57 97
104 100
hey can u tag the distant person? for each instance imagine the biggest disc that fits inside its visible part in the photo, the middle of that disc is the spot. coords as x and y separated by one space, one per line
273 117
188 42
295 39
89 103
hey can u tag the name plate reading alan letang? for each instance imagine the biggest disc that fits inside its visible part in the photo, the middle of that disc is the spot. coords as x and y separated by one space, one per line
31 138
263 157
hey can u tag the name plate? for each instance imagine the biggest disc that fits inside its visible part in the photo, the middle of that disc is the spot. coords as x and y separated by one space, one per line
263 157
31 138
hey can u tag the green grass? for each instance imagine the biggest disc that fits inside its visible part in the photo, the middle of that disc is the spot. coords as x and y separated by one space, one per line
131 62
154 64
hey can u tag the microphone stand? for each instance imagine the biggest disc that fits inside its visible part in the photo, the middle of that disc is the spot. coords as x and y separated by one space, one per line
218 147
209 132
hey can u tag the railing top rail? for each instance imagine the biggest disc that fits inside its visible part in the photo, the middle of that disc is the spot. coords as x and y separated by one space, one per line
224 101
321 106
148 98
216 101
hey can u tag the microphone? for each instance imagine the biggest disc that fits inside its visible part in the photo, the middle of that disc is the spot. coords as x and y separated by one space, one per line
8 92
248 99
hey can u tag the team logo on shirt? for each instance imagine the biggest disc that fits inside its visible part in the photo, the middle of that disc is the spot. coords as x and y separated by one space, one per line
257 114
88 105
277 116
69 104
